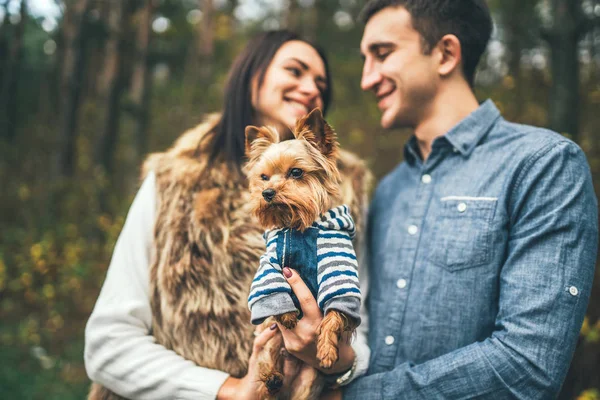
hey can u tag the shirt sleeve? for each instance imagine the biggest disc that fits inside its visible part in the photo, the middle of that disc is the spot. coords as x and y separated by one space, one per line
545 285
120 352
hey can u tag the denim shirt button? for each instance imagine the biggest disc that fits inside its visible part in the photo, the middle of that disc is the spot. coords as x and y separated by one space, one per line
426 179
462 207
389 340
412 230
574 291
401 283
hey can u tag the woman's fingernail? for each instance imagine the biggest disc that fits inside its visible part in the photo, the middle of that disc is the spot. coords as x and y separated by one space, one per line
273 326
287 272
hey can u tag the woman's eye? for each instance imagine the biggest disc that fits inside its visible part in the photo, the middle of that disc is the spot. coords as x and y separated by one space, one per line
294 71
321 89
264 177
296 173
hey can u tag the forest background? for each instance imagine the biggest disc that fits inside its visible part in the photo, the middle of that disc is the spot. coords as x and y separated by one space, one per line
89 87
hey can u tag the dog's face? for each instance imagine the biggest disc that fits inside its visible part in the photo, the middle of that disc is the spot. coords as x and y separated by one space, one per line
293 181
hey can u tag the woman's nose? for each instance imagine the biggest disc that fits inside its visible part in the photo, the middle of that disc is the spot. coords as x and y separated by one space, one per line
309 87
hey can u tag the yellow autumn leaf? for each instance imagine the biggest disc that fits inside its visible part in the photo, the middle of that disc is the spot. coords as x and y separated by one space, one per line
48 291
26 279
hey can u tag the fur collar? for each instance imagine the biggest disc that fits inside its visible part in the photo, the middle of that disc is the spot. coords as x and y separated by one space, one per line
207 247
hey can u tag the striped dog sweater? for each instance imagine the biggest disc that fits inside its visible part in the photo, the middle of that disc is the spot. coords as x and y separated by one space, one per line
324 257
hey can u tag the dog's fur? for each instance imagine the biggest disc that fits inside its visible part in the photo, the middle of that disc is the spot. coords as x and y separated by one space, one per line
205 251
297 203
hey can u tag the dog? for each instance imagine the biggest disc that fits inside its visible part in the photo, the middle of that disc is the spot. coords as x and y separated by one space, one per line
293 185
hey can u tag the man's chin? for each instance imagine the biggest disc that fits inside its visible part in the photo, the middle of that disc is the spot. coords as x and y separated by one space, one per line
388 120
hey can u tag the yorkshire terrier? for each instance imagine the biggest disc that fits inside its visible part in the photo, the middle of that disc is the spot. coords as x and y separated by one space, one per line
294 186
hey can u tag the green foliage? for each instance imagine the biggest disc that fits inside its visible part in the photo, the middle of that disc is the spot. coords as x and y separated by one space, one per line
590 332
590 394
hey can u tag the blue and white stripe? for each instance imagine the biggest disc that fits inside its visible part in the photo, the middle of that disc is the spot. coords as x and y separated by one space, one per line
337 219
268 278
337 273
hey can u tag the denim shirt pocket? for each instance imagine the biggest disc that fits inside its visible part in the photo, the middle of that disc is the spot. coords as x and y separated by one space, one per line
462 232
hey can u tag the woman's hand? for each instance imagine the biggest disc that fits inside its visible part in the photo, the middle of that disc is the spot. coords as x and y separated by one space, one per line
301 341
247 387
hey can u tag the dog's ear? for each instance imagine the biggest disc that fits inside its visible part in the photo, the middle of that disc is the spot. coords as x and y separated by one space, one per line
258 139
315 130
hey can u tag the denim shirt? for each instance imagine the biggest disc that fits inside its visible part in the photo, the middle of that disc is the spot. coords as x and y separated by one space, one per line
481 264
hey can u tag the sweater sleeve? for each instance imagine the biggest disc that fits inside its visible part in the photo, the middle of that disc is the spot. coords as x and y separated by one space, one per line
269 292
120 351
337 274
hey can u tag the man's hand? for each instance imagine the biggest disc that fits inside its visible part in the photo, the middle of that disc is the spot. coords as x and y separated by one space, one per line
301 341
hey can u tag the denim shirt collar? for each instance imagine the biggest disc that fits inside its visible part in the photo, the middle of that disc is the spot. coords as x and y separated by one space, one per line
464 136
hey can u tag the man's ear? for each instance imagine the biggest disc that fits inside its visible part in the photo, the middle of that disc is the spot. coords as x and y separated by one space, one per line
315 130
259 139
450 55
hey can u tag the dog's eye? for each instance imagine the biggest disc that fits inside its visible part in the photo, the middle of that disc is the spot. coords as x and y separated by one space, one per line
296 173
264 177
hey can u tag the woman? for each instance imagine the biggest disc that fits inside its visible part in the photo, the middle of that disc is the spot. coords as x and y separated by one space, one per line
172 319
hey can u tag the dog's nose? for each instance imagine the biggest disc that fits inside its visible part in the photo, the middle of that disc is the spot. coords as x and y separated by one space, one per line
268 194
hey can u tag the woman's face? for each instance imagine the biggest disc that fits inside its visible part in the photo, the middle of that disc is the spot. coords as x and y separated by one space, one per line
292 86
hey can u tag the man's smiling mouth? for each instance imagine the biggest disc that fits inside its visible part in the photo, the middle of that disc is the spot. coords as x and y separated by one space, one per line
381 99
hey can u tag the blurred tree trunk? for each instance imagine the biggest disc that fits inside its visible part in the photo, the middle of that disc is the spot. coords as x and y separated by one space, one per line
293 17
200 56
206 40
10 78
73 68
96 49
4 31
113 83
517 18
141 78
568 27
310 19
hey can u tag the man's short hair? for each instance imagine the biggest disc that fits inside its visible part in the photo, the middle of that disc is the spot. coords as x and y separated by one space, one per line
469 20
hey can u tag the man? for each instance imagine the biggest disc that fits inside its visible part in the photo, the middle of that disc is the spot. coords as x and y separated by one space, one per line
483 241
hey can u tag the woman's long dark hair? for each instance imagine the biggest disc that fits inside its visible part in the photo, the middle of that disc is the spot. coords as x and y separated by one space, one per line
228 140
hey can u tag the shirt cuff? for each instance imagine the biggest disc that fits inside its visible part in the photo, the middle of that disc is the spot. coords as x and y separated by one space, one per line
200 384
362 354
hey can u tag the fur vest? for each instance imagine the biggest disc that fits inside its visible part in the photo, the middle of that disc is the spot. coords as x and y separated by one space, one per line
206 250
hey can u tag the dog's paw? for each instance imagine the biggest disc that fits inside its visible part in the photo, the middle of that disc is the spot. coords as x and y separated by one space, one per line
274 382
327 356
289 320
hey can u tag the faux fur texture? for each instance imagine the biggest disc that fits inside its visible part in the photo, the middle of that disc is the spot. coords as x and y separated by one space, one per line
206 250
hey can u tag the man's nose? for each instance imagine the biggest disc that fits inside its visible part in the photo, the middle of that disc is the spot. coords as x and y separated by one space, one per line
370 77
268 194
